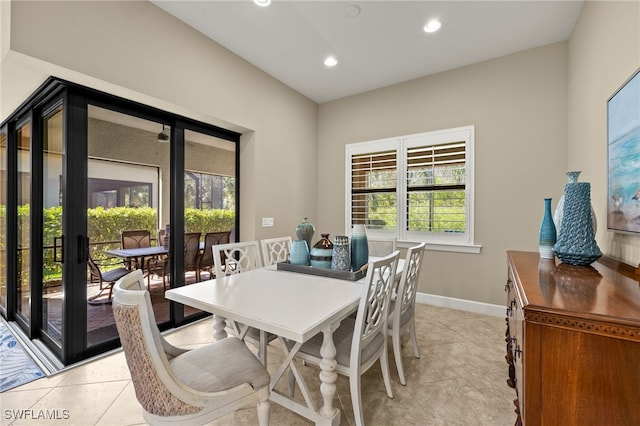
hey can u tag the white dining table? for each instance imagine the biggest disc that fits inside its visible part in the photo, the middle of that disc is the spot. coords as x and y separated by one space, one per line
291 305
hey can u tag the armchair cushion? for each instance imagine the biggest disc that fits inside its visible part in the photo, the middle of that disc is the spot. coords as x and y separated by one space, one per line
235 365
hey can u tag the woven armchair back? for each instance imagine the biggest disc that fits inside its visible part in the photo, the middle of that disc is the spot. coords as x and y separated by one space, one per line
151 393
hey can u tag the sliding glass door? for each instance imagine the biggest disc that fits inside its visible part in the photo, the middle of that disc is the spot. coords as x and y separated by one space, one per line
23 248
77 169
52 220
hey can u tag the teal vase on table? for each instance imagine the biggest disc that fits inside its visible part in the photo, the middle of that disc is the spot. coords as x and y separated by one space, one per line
305 231
576 244
359 247
299 254
547 237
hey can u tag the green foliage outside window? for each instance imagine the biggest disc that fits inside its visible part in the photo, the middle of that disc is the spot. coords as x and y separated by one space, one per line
105 226
428 211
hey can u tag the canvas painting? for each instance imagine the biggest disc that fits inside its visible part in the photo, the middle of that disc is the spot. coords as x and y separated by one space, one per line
623 207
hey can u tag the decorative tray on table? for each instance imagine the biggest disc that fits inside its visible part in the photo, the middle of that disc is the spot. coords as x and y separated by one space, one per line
323 272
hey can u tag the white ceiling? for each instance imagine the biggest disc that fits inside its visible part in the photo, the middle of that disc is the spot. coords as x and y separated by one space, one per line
385 44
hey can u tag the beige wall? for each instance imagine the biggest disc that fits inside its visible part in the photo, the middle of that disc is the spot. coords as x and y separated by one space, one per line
537 114
518 106
155 59
604 52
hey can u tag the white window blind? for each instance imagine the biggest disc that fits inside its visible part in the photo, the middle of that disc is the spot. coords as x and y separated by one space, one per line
374 189
436 199
416 188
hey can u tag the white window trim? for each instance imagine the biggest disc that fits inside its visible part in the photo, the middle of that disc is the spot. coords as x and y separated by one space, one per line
463 243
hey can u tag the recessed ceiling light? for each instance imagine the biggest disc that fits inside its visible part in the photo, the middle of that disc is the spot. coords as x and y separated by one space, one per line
432 26
331 61
352 10
263 3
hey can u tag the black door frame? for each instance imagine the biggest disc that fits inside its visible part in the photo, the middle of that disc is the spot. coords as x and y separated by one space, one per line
75 100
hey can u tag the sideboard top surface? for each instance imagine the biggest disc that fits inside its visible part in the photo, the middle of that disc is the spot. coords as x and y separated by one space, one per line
592 290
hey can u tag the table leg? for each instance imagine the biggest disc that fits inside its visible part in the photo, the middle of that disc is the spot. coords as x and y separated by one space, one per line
328 376
219 324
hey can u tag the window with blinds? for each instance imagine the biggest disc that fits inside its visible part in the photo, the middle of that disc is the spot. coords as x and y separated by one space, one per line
374 197
436 197
416 187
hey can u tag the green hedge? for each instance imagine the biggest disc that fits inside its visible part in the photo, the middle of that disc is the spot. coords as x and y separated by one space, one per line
105 225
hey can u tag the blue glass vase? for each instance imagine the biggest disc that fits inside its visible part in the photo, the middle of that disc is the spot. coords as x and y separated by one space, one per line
341 256
547 237
359 247
299 254
576 244
305 231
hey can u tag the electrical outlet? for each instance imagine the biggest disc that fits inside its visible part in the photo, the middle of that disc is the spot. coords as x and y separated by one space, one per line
267 222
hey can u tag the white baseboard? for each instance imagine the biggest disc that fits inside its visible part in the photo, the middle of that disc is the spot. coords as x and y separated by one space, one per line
462 304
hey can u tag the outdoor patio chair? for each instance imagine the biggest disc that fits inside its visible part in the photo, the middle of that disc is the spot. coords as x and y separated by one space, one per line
105 281
211 239
136 239
192 253
180 386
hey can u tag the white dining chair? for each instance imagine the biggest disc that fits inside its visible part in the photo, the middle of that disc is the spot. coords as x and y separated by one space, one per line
362 341
184 386
235 258
402 311
379 247
275 250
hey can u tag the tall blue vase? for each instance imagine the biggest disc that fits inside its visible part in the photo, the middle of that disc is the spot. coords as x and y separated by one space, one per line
576 244
547 236
305 231
359 247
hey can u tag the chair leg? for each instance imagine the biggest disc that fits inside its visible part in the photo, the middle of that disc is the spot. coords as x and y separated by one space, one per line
397 354
356 398
264 409
384 365
414 339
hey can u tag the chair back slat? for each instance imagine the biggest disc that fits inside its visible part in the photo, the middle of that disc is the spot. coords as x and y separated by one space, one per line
406 295
382 246
211 239
136 238
373 311
276 250
238 257
191 251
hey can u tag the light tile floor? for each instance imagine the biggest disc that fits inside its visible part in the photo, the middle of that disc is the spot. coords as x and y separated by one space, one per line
460 379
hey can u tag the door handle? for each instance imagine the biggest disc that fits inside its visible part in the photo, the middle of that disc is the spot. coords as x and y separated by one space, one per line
83 249
58 256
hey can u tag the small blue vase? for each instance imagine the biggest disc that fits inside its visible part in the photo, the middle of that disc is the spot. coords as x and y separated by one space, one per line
321 253
547 236
359 247
299 254
305 231
341 256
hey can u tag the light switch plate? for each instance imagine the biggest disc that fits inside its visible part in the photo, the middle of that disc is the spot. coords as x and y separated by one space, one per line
267 222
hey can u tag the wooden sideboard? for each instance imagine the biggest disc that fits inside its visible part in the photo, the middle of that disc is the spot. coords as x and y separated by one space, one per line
573 342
